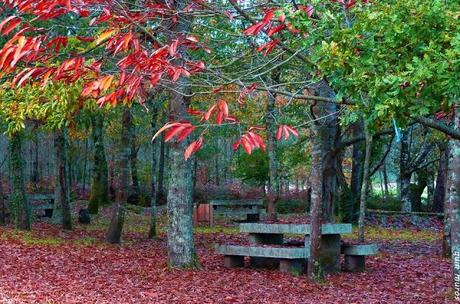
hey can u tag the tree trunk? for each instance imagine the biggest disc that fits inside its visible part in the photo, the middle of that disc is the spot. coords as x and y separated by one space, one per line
273 180
351 213
181 249
454 206
405 176
362 203
385 180
19 204
314 270
133 196
61 212
439 195
329 132
154 176
160 196
118 216
35 178
2 202
99 188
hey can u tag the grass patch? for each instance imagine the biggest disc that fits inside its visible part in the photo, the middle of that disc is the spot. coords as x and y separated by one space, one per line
216 229
28 238
392 234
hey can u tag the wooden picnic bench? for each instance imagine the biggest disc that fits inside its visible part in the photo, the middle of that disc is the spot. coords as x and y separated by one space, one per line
251 209
287 259
47 206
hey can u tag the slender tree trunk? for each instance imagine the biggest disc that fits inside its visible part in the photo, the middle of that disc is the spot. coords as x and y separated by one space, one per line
439 195
454 205
314 269
404 175
385 180
85 165
118 216
19 203
134 191
362 205
61 212
352 213
161 166
2 202
99 188
273 192
154 185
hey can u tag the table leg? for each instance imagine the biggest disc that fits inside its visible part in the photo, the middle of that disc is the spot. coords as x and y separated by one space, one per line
330 253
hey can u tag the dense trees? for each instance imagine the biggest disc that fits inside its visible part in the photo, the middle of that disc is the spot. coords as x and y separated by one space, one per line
340 75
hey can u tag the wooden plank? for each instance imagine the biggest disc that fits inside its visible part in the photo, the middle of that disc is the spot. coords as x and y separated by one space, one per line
236 202
365 249
294 228
265 252
236 212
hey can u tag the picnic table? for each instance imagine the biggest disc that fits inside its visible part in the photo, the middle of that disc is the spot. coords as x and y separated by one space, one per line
43 202
261 255
252 209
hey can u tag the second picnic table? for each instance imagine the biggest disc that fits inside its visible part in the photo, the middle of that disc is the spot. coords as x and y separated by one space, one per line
265 234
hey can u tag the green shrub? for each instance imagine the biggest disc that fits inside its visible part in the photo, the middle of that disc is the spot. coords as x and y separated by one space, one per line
291 206
389 204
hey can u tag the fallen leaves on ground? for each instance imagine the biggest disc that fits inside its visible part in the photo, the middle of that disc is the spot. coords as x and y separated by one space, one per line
136 272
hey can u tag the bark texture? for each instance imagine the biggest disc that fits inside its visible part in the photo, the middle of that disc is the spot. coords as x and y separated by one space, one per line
19 203
181 249
273 182
100 183
365 184
454 205
61 212
119 208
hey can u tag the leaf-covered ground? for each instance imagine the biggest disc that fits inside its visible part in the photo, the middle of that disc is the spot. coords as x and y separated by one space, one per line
51 266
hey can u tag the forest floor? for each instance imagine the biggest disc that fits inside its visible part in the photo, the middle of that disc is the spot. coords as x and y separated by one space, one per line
48 265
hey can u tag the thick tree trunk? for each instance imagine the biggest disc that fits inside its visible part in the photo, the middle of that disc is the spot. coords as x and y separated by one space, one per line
329 132
100 183
118 215
362 204
19 205
454 206
273 181
181 249
314 269
439 195
61 212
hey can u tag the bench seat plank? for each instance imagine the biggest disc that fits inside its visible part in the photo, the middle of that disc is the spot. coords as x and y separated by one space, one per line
366 249
266 252
293 228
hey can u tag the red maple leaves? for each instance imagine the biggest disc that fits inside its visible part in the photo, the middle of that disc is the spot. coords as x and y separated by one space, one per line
31 54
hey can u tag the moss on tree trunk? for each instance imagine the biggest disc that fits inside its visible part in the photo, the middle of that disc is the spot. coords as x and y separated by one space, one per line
61 211
99 188
19 204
